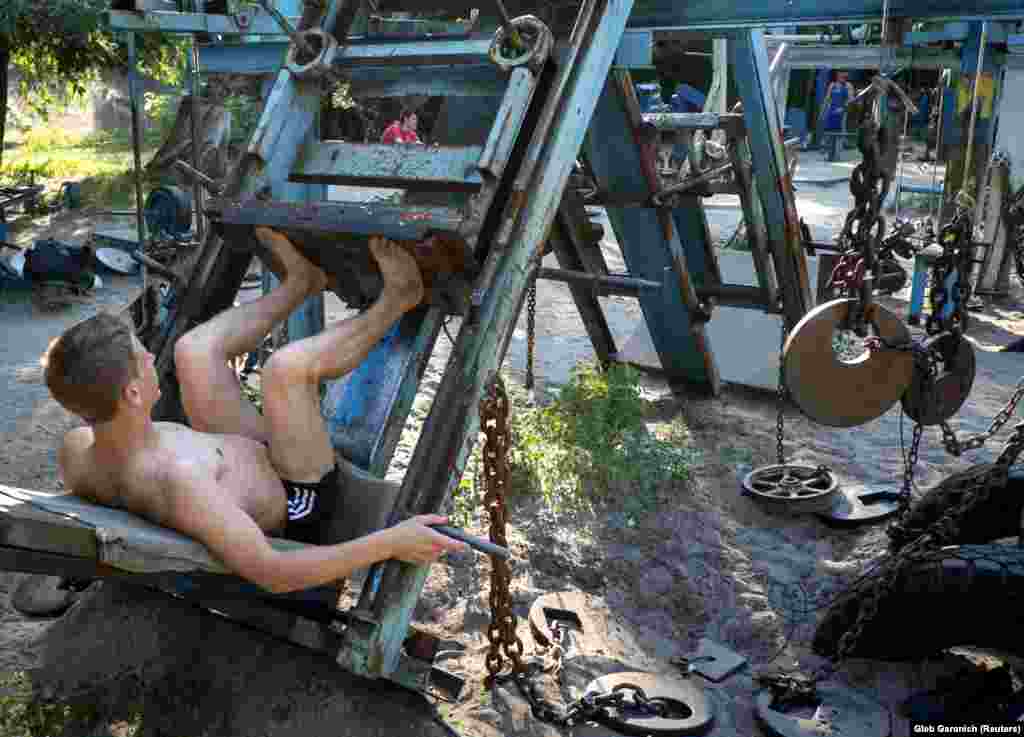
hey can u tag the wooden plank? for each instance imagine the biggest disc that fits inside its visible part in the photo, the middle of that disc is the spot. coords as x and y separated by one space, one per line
68 525
649 241
586 301
366 410
774 186
390 165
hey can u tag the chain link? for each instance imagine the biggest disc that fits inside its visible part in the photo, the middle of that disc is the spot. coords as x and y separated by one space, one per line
504 642
780 419
978 488
956 447
531 328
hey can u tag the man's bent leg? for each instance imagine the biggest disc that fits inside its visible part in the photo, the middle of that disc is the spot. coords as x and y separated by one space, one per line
300 446
209 386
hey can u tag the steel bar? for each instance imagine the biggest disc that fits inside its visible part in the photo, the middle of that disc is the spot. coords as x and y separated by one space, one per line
477 543
199 177
197 190
133 99
448 168
189 23
731 122
736 295
975 99
706 14
620 284
404 222
693 181
417 53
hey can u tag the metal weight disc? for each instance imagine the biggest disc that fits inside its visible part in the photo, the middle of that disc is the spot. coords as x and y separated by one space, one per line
839 393
792 488
840 711
690 710
933 402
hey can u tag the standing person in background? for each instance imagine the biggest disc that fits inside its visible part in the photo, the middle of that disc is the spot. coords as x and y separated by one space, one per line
402 130
833 113
833 108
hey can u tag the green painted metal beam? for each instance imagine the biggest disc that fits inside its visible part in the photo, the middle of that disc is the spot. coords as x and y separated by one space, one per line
390 165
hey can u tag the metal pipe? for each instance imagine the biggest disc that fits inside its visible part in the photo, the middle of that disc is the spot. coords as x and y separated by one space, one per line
628 286
692 182
943 81
197 190
969 154
737 295
198 177
133 99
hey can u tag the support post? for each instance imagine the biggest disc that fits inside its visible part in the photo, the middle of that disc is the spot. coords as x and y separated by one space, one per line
770 173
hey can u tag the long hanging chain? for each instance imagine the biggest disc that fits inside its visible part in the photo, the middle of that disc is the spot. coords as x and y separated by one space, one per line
531 328
494 410
781 394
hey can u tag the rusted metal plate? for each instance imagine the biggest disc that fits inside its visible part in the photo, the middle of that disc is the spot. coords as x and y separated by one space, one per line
932 402
851 507
557 609
715 662
839 393
690 709
840 711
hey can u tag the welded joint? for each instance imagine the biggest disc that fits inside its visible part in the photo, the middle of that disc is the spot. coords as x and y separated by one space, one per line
322 65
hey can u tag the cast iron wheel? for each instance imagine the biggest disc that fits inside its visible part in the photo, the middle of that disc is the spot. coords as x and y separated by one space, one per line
792 488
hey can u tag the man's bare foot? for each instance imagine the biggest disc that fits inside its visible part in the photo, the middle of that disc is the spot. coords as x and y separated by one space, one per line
288 263
403 282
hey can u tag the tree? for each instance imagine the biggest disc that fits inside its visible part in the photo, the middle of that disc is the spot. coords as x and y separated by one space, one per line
59 46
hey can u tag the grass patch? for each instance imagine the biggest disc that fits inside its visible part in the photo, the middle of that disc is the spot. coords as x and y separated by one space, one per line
592 443
23 714
101 163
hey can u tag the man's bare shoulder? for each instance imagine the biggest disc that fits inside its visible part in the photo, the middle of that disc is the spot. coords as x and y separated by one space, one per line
72 456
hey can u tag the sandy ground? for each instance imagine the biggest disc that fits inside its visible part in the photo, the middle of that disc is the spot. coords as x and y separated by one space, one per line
707 562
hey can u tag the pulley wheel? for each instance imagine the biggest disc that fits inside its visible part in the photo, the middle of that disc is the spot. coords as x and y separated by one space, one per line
42 596
841 393
689 710
839 711
933 402
792 488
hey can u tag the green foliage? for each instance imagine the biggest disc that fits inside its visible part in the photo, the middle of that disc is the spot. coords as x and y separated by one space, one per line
24 715
59 46
101 163
593 442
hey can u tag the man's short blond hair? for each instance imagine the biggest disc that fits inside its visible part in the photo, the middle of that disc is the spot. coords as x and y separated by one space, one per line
89 365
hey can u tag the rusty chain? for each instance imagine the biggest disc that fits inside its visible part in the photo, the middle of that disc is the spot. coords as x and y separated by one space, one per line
781 394
504 642
531 328
956 447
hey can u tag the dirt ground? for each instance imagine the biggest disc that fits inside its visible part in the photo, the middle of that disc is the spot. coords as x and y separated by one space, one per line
706 563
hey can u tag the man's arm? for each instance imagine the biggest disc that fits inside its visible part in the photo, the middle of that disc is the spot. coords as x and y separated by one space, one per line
201 511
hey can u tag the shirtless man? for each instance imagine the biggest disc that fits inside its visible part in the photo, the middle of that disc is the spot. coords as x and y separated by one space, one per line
236 474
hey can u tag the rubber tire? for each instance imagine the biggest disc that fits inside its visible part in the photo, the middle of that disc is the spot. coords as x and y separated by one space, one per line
967 595
41 596
998 518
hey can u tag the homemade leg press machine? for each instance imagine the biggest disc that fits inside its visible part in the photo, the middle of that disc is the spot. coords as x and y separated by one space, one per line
522 115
